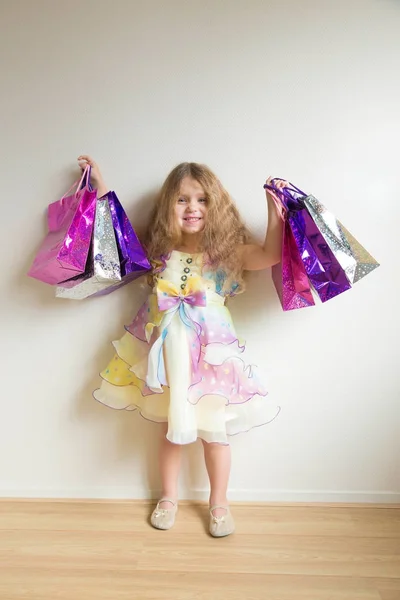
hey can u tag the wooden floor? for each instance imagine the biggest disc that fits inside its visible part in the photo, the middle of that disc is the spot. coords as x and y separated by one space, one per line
108 551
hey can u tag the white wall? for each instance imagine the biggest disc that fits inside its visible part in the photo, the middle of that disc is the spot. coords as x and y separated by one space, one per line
307 90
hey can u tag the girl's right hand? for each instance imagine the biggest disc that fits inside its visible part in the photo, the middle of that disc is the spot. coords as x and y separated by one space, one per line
84 160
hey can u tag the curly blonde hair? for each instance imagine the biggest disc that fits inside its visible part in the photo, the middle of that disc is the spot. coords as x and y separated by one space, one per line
223 231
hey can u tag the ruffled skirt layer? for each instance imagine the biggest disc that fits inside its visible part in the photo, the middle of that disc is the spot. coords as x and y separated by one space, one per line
186 368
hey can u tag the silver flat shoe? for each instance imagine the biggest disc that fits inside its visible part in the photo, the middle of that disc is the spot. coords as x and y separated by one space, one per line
221 526
164 518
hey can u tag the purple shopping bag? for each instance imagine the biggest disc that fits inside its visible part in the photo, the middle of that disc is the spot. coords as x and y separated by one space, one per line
134 261
324 272
64 251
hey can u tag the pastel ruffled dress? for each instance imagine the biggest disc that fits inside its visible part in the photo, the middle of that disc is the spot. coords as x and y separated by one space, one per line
180 360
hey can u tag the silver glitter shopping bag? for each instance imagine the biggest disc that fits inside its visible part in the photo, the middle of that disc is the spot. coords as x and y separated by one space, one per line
103 267
352 257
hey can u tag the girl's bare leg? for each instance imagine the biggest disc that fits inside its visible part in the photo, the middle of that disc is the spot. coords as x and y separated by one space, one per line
169 463
218 464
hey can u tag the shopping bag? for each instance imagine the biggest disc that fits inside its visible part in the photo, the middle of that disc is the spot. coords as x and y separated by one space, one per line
289 276
117 257
351 255
103 267
134 261
64 251
324 271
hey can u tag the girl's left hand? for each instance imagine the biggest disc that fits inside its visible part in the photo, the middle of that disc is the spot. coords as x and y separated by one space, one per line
274 200
278 183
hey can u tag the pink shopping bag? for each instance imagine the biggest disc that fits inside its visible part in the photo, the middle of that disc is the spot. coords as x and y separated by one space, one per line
64 251
290 277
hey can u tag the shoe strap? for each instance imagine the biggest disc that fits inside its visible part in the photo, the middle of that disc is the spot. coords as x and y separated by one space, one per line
166 500
218 506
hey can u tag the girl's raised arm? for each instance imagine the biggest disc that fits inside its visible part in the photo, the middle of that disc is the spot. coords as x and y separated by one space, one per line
255 257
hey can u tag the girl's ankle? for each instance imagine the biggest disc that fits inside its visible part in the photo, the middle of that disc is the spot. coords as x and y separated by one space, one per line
218 501
168 501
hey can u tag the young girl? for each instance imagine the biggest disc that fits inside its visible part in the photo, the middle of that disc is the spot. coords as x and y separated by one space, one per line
180 362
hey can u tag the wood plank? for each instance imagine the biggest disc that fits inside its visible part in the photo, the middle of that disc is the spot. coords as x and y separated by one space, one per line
68 549
51 584
375 523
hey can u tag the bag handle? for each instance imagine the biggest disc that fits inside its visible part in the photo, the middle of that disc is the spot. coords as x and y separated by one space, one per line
280 205
290 186
284 194
85 179
279 195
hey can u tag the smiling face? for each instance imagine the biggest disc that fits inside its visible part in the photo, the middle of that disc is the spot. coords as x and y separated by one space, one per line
191 207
